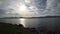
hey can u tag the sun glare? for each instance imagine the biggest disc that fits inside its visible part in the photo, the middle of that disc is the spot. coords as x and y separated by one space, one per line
23 8
24 11
22 21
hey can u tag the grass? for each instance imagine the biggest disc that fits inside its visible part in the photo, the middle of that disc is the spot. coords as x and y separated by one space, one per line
6 28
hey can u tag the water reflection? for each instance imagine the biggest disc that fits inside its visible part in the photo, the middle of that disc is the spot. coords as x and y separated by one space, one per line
29 22
22 21
50 23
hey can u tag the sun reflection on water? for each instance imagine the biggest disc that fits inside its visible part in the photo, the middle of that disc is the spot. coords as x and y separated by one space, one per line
22 21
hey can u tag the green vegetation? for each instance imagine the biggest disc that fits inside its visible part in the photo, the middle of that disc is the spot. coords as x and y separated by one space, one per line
6 28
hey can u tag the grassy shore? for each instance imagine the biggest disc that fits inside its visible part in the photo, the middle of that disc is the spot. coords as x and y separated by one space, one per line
6 28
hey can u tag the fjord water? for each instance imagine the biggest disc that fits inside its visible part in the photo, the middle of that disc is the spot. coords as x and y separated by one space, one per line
49 23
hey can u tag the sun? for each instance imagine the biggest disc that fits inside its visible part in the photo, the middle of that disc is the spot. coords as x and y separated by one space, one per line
24 11
23 8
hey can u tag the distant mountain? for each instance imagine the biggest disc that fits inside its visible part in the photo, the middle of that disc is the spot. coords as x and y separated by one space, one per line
51 17
30 17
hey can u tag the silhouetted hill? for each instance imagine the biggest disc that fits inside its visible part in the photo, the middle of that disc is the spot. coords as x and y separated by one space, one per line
30 17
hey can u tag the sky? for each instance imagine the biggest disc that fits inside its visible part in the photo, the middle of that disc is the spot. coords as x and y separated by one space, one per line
29 8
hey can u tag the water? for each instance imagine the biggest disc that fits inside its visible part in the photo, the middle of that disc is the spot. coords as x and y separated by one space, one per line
49 23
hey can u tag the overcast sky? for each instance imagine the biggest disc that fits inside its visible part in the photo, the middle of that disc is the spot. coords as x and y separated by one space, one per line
29 8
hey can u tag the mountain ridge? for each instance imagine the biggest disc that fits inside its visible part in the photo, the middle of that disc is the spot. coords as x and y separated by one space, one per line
30 17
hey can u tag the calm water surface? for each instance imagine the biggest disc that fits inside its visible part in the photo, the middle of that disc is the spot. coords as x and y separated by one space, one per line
50 23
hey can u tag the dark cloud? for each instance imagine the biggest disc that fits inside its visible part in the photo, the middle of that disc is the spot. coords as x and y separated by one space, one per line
52 8
2 11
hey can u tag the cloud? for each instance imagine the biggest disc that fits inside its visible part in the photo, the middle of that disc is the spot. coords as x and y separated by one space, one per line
52 8
34 7
1 11
13 4
1 1
6 10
